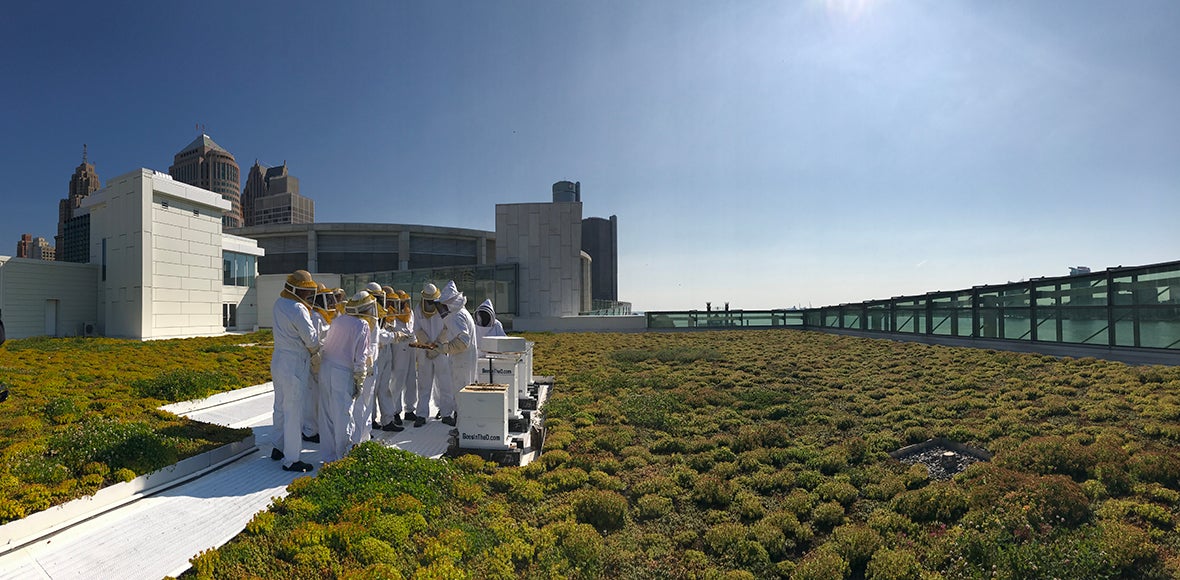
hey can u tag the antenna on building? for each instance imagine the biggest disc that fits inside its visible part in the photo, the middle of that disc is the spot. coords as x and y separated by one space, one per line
83 153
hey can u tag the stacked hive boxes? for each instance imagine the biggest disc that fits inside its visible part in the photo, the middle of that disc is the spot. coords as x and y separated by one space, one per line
483 416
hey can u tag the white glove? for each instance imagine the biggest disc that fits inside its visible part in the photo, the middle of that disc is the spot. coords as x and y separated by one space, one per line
402 337
358 380
316 358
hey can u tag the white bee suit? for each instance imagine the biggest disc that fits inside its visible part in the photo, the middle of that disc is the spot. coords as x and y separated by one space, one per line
384 411
432 367
365 403
311 399
402 372
346 353
295 338
458 343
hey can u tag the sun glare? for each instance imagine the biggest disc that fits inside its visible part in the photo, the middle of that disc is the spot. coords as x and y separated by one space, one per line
851 10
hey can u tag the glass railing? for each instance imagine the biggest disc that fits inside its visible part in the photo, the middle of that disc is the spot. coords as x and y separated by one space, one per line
1126 307
719 319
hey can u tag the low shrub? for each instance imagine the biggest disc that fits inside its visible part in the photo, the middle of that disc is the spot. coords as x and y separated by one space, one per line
941 502
370 551
856 543
839 491
653 506
605 510
828 515
564 479
821 564
181 385
712 491
118 444
893 564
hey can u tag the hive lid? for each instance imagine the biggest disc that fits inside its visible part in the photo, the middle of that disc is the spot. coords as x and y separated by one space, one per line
502 344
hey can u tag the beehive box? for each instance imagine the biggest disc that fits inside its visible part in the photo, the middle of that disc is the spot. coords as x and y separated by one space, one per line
483 416
505 369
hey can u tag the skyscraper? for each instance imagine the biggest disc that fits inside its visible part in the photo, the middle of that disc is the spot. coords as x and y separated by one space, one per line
35 248
600 239
208 166
73 239
272 196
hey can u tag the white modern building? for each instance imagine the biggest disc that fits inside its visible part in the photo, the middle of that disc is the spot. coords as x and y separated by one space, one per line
160 267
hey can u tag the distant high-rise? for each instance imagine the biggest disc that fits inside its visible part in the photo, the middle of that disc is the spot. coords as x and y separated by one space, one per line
600 239
73 238
271 196
24 246
35 248
208 166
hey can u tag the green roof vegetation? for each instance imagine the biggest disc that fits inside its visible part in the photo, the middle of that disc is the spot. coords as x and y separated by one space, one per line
762 454
725 454
82 412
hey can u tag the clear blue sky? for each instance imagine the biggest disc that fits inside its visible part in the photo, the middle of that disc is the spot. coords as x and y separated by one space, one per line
764 153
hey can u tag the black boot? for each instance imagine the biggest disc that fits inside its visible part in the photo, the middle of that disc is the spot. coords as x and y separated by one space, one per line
298 466
275 454
391 426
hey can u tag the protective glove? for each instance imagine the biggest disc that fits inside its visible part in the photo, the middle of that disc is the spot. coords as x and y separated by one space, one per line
432 353
455 346
316 359
358 379
402 337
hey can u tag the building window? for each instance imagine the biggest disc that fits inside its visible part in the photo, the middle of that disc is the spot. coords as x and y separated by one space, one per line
238 269
104 259
229 315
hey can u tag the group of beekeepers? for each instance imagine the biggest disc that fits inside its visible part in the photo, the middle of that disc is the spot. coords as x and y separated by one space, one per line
344 367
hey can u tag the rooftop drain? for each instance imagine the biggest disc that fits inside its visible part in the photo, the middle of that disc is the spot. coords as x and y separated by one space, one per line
943 458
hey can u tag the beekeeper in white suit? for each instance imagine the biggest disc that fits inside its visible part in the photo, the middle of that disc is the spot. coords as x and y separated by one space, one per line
432 367
347 361
290 367
366 402
399 328
457 343
486 324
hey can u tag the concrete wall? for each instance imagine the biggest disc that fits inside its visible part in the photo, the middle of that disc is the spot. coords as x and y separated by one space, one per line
34 293
269 286
546 240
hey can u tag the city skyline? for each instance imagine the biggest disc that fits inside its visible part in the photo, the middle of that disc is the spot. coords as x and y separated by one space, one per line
763 154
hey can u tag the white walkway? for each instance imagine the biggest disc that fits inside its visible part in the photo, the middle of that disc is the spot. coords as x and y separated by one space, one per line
155 535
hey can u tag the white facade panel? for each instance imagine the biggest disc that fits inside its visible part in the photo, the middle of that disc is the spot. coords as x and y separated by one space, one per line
27 288
168 282
546 240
